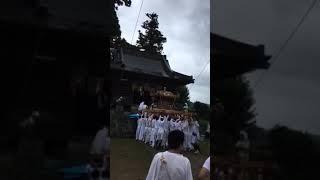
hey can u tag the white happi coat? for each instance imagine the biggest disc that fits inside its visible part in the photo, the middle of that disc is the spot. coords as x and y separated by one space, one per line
195 130
147 131
169 166
160 131
138 128
142 129
172 125
153 132
185 130
189 136
179 125
157 126
141 106
165 126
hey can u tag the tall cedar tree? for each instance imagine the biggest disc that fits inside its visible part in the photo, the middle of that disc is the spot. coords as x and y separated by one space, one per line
152 41
238 112
202 110
183 93
116 31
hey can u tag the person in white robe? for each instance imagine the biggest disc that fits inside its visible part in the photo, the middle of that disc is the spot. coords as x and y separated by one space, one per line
157 125
171 164
185 130
142 128
141 106
178 125
139 121
189 134
172 124
99 144
195 136
205 170
153 132
165 126
146 131
196 129
160 132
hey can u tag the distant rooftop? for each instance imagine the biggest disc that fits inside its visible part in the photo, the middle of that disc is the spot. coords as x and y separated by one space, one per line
231 57
134 60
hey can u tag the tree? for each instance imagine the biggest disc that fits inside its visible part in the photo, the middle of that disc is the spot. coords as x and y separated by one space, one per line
236 97
202 110
237 113
183 93
118 3
152 40
295 152
115 26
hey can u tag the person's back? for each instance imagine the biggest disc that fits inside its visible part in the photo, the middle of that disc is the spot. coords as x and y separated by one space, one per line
99 142
171 164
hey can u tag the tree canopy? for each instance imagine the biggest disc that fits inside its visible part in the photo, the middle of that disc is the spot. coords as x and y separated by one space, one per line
295 152
118 3
152 40
183 92
115 27
235 112
202 110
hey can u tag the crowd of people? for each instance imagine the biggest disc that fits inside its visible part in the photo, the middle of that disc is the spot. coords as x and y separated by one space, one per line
153 129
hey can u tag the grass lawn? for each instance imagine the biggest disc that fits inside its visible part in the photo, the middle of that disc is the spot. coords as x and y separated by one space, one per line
130 160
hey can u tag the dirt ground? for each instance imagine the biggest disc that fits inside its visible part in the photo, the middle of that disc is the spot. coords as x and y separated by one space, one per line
130 159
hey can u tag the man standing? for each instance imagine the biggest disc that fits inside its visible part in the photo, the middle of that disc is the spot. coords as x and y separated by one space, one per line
99 145
195 136
171 164
142 128
205 170
160 132
30 156
153 132
165 126
139 121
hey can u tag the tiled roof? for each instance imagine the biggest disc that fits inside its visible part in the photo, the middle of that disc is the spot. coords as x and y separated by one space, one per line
134 60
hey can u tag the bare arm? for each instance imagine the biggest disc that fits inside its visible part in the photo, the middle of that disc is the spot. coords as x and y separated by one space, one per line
203 174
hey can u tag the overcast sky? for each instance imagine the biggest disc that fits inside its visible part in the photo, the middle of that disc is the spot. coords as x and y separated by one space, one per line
289 93
186 25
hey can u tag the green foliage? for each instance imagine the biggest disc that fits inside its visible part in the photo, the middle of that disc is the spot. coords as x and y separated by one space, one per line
235 114
115 26
203 124
183 93
295 152
236 97
152 40
202 110
118 3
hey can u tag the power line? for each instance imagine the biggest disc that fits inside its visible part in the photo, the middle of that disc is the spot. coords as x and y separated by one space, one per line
277 55
205 67
135 27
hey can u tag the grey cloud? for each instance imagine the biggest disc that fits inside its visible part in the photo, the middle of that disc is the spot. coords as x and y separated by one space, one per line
289 92
186 26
